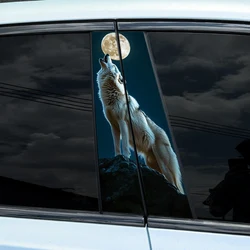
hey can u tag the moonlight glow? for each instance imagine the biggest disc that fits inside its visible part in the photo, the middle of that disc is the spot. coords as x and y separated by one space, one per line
109 46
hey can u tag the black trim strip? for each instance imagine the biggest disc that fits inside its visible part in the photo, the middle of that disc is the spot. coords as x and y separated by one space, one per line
199 225
128 25
62 21
127 20
205 26
73 216
97 170
182 20
140 179
55 27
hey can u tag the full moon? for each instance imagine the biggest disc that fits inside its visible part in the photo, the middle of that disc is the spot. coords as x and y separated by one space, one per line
109 46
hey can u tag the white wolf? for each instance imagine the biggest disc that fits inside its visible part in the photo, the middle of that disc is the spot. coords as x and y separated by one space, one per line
151 141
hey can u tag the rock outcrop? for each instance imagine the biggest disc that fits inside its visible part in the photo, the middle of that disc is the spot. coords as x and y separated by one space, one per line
121 193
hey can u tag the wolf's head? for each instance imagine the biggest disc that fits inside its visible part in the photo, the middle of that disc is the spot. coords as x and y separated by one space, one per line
109 69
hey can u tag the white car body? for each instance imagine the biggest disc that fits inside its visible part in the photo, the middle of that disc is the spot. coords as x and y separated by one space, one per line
44 233
58 10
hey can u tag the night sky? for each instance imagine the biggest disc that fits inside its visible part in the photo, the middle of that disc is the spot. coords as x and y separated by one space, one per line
141 84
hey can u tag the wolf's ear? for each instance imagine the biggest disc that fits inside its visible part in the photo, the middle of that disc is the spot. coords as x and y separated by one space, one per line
102 63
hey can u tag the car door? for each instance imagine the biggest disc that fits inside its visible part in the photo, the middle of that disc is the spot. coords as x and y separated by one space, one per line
192 92
59 189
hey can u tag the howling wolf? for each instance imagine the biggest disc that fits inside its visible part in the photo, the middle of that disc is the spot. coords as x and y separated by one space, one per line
151 141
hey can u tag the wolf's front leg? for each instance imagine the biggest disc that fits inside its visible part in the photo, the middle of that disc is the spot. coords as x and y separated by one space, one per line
116 139
125 138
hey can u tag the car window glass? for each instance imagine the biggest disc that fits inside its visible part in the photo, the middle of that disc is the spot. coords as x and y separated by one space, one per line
204 80
47 152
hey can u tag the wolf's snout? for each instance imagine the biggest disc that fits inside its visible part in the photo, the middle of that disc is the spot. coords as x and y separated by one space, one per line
106 58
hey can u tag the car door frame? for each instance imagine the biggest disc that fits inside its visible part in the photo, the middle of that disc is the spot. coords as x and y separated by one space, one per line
14 215
191 26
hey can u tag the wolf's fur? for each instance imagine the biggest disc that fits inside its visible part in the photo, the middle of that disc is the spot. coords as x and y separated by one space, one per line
152 142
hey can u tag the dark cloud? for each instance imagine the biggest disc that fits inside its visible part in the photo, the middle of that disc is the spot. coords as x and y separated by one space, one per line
45 60
204 77
46 144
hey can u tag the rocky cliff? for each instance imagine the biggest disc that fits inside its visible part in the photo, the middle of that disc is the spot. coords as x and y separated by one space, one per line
121 193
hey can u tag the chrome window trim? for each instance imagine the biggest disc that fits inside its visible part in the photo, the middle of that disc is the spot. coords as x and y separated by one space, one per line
127 25
179 25
72 216
56 27
205 226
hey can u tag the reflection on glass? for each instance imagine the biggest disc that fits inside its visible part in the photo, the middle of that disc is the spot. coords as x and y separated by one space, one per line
205 83
47 151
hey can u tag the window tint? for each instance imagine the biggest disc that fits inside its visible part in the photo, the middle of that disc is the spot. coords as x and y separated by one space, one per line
204 79
47 153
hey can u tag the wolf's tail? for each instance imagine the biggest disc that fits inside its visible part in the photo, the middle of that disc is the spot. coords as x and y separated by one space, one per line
165 155
168 163
174 168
